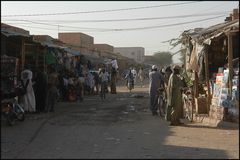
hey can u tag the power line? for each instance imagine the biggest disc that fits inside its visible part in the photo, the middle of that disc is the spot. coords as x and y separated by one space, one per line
100 11
139 28
134 19
168 25
55 25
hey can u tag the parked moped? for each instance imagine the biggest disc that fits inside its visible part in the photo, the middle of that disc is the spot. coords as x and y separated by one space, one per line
12 111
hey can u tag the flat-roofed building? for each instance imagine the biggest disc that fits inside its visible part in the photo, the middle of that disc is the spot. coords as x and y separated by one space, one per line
136 53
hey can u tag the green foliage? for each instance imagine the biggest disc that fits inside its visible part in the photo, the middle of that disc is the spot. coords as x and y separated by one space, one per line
163 58
187 77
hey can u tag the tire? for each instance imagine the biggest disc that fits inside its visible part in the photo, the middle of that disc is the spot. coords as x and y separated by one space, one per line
10 119
21 116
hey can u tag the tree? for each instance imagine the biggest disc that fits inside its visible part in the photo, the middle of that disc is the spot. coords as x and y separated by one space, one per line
176 42
162 58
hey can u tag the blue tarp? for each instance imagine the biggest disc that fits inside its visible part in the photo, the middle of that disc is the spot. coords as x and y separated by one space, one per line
73 52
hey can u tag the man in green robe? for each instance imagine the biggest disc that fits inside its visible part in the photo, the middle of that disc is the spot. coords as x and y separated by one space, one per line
174 97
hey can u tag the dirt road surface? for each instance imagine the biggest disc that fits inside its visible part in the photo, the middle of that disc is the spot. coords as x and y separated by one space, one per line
119 127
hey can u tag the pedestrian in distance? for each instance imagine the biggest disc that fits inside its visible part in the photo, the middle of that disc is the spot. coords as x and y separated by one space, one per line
130 80
113 80
52 93
141 76
134 72
104 79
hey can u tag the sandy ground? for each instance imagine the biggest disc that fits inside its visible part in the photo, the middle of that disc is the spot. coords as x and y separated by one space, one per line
119 127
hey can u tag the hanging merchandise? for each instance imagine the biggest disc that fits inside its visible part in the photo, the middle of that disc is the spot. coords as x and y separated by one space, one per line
216 90
8 74
50 57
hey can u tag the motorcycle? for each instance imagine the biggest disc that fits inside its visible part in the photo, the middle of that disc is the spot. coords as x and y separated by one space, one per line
11 110
9 90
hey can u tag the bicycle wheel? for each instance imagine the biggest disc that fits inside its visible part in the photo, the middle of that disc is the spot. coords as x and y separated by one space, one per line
10 119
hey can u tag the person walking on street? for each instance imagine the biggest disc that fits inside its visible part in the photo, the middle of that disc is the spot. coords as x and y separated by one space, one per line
28 99
134 72
52 93
113 81
40 88
130 80
104 79
155 82
141 76
174 97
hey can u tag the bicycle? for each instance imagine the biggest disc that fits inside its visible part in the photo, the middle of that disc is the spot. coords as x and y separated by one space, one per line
160 102
11 110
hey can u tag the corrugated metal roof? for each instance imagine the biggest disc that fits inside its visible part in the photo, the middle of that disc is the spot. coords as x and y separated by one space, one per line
11 33
51 45
212 31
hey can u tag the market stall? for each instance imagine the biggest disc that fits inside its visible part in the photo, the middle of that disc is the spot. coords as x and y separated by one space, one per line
211 54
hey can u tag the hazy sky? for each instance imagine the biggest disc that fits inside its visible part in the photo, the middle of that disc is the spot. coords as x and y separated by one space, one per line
151 39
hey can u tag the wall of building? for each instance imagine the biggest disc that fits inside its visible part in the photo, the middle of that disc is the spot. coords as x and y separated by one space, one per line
104 47
136 53
76 39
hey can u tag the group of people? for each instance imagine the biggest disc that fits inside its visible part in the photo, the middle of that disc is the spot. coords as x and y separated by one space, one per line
171 80
42 90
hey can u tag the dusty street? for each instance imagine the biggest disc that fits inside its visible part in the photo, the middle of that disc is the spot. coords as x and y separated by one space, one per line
119 127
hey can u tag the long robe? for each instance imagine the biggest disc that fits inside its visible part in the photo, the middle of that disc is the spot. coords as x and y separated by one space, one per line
155 81
174 99
29 102
41 91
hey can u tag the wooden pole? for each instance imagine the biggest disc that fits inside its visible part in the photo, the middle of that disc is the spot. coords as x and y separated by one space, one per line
37 56
44 59
207 80
23 54
230 65
196 84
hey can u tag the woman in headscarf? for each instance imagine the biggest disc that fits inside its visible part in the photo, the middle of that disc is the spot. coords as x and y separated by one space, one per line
28 99
174 97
